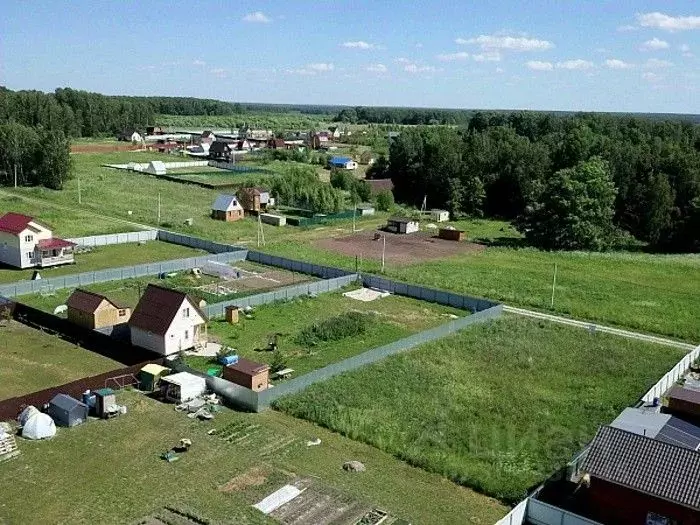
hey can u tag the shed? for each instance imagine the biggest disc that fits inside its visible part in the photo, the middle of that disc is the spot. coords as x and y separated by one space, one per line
182 387
275 220
156 167
93 310
105 402
151 375
365 209
683 401
440 215
67 411
255 199
402 225
226 208
345 163
248 373
450 234
232 314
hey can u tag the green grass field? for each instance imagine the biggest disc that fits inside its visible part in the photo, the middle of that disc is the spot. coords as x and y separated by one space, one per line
395 317
497 408
109 471
31 360
112 256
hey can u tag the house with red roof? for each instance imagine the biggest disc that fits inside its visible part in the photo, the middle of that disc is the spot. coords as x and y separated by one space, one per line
167 321
25 243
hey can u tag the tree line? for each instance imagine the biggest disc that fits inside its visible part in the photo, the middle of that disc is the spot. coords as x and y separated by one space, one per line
572 182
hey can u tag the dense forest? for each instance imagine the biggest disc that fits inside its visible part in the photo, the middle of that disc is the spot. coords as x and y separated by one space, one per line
574 182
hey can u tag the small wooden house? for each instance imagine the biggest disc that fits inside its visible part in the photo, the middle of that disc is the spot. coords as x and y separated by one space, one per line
232 314
402 225
255 199
150 376
249 374
93 310
226 208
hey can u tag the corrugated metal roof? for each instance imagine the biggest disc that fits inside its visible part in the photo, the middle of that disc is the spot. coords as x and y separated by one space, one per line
226 203
65 402
684 394
154 369
340 160
645 465
55 242
14 222
248 367
641 422
85 301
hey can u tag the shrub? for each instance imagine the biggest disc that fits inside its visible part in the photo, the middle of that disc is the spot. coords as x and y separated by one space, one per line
335 328
385 200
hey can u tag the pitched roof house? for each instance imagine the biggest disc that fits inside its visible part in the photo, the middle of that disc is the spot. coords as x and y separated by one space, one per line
167 321
222 150
345 163
130 135
255 199
637 479
208 137
24 243
92 310
226 208
248 373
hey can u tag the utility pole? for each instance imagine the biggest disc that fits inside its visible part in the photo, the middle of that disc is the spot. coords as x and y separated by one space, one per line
261 233
554 284
383 250
80 197
159 209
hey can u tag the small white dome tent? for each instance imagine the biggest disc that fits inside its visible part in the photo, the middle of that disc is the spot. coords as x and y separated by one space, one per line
39 426
26 414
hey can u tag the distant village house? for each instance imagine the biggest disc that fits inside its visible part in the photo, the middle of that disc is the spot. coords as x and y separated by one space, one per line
24 243
226 208
92 310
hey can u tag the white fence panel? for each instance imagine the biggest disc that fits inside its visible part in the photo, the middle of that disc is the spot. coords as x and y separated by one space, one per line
671 376
540 513
515 516
115 238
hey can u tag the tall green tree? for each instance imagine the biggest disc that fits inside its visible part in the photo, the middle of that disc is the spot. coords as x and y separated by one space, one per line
574 211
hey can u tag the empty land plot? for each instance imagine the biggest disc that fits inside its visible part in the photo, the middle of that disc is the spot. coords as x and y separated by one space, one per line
399 249
102 257
251 278
388 319
220 477
31 360
497 407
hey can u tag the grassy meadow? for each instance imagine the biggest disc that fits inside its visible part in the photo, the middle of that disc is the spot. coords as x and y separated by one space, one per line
218 479
394 317
112 256
496 408
31 360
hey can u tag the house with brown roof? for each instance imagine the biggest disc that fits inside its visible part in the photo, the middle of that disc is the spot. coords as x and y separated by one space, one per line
92 310
633 478
248 373
167 321
25 243
255 199
276 144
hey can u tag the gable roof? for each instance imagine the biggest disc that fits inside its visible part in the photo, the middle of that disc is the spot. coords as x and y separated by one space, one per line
158 307
248 367
54 242
340 160
226 203
14 222
220 146
85 301
645 465
65 402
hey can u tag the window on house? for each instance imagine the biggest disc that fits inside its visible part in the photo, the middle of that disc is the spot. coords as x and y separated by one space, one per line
28 238
122 312
30 255
187 334
186 312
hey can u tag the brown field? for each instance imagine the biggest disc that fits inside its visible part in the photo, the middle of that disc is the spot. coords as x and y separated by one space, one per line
400 248
103 148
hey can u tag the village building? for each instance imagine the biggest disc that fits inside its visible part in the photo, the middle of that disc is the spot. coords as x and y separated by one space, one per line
255 200
92 310
67 411
226 208
130 135
182 387
24 243
276 144
222 150
247 373
402 225
343 163
167 321
207 137
440 215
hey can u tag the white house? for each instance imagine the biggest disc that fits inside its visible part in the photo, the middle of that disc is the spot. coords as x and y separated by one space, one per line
402 225
440 215
131 135
24 243
167 321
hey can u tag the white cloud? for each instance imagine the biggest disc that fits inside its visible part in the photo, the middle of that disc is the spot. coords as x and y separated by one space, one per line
257 17
655 44
359 44
488 56
451 57
601 50
616 63
575 64
403 60
626 28
300 71
415 68
669 23
376 68
537 65
218 72
199 63
685 50
651 77
507 43
321 66
655 63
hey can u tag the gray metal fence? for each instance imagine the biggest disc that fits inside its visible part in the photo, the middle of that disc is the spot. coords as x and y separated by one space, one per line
116 238
283 294
196 242
466 302
114 274
324 272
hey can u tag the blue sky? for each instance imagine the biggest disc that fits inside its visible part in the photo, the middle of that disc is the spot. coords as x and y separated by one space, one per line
557 54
